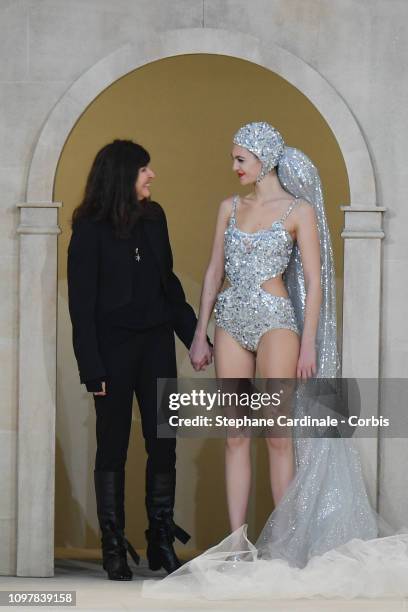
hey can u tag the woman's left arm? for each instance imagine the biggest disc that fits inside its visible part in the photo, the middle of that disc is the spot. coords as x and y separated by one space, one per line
307 235
184 317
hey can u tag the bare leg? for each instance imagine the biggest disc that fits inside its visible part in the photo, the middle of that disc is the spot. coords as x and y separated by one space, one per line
233 361
277 357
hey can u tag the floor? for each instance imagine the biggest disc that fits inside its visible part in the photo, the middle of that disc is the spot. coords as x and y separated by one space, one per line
94 592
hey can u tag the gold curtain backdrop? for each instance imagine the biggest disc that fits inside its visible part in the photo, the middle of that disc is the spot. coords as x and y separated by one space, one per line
184 110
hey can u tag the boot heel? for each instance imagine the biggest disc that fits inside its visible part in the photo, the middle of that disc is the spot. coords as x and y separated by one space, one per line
155 565
152 554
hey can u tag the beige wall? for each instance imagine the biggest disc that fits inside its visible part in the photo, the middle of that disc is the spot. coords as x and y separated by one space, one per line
184 110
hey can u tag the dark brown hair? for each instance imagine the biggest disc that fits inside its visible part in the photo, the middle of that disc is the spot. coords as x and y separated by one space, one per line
110 193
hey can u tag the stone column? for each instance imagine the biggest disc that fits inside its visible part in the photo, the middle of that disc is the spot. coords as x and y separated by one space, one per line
38 231
361 320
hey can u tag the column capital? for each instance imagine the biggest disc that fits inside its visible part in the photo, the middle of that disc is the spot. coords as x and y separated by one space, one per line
38 218
364 223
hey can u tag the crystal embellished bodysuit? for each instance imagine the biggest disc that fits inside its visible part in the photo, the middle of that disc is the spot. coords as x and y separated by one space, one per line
245 310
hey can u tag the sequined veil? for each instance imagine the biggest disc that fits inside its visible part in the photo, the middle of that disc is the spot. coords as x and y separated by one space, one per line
322 463
299 177
322 539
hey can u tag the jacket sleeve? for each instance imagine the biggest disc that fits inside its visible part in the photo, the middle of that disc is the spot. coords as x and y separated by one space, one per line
94 386
183 315
83 268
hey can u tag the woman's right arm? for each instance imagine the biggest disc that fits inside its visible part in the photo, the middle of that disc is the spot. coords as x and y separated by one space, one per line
213 280
83 272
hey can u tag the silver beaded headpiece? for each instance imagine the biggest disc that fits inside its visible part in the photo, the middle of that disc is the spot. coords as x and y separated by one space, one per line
263 141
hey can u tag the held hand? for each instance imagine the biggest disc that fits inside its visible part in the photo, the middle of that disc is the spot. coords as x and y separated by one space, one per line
103 392
306 365
200 353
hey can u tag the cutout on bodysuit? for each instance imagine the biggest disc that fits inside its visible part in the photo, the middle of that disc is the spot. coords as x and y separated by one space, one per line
227 285
267 288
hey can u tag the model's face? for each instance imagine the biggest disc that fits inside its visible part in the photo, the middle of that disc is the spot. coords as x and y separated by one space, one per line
143 182
245 164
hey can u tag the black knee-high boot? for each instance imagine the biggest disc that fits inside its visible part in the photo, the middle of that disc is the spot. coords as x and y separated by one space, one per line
109 488
160 492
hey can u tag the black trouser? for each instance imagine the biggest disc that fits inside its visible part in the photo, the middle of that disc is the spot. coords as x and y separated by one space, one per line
133 367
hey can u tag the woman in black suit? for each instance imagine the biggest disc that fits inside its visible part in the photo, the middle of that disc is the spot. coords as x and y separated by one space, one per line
125 304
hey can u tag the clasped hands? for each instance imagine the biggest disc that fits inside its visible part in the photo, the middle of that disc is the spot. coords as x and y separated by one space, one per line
201 353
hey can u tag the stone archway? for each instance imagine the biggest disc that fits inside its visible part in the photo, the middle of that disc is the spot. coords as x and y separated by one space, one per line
38 231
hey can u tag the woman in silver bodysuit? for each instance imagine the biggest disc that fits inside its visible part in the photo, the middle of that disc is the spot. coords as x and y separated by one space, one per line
257 330
321 539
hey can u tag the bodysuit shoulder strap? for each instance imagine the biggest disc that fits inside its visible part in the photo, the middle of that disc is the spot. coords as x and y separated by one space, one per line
289 210
234 209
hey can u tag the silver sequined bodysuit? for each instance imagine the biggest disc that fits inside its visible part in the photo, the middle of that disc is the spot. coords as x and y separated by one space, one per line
245 310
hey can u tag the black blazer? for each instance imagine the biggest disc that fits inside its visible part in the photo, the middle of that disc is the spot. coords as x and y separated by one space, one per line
100 280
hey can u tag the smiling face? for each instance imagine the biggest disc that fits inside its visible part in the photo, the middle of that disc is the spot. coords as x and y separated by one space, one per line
144 179
245 164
